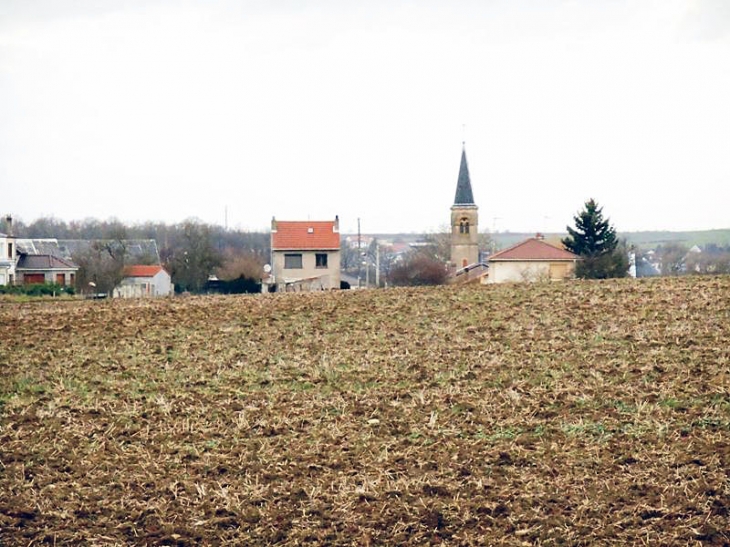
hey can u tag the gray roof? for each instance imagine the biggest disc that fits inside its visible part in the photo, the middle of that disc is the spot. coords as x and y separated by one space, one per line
464 195
44 262
137 249
47 246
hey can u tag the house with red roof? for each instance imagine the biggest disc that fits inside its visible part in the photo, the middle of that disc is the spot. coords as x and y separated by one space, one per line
531 260
142 281
305 255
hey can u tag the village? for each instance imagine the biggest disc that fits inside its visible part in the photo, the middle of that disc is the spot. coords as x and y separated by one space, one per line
314 255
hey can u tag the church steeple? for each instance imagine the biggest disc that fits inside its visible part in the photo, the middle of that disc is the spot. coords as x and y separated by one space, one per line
464 220
464 195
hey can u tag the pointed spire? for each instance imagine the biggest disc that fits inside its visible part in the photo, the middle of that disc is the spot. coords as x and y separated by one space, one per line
464 195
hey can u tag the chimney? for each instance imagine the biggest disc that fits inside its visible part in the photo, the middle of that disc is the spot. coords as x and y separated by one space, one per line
273 224
336 227
539 236
9 224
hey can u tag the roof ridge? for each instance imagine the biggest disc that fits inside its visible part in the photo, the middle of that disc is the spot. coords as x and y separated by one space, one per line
564 253
519 244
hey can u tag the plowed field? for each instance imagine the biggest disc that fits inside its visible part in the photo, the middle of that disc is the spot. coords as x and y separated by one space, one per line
553 414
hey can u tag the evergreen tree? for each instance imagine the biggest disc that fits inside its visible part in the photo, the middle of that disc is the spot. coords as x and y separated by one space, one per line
595 241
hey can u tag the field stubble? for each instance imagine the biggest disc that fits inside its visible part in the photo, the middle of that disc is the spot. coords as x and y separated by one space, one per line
551 414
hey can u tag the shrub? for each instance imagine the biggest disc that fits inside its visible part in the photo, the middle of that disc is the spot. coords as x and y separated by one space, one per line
418 269
38 289
234 286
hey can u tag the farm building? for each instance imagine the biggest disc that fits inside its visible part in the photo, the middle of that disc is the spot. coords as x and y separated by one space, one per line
531 260
305 255
144 282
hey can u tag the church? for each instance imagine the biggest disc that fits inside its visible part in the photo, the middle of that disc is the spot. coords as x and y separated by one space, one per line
531 260
464 221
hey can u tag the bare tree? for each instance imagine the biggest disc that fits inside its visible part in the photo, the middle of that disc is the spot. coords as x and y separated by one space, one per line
672 258
418 268
236 264
349 257
101 266
194 257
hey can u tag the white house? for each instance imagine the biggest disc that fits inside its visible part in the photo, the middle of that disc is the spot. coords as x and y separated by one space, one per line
8 260
144 282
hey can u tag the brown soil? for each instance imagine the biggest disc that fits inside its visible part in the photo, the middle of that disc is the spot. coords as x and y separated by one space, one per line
552 414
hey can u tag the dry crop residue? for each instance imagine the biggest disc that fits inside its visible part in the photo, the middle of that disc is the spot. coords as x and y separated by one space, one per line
554 414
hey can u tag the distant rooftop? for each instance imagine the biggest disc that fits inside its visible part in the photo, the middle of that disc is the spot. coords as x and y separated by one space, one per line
305 234
533 249
137 249
44 262
142 271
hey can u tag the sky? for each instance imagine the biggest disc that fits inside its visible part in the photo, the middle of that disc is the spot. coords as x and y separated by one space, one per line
232 112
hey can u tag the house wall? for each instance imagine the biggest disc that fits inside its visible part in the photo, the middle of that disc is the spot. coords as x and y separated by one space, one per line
163 284
327 278
134 287
7 261
49 276
529 271
145 287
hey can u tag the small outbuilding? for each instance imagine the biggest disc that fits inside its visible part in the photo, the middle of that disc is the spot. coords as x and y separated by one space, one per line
144 282
531 260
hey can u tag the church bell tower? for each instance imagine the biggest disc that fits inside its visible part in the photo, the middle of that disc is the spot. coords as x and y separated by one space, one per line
464 221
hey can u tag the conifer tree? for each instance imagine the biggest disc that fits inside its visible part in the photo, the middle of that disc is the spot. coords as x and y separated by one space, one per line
595 241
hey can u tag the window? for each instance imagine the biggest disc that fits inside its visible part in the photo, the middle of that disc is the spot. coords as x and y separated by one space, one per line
10 250
464 226
293 261
321 260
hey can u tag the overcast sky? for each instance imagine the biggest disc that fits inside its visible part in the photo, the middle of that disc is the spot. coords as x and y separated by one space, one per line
165 110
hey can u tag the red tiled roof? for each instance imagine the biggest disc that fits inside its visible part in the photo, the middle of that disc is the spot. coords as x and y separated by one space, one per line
533 249
139 270
313 235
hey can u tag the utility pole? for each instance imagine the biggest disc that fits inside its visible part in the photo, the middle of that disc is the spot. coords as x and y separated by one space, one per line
377 265
359 254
